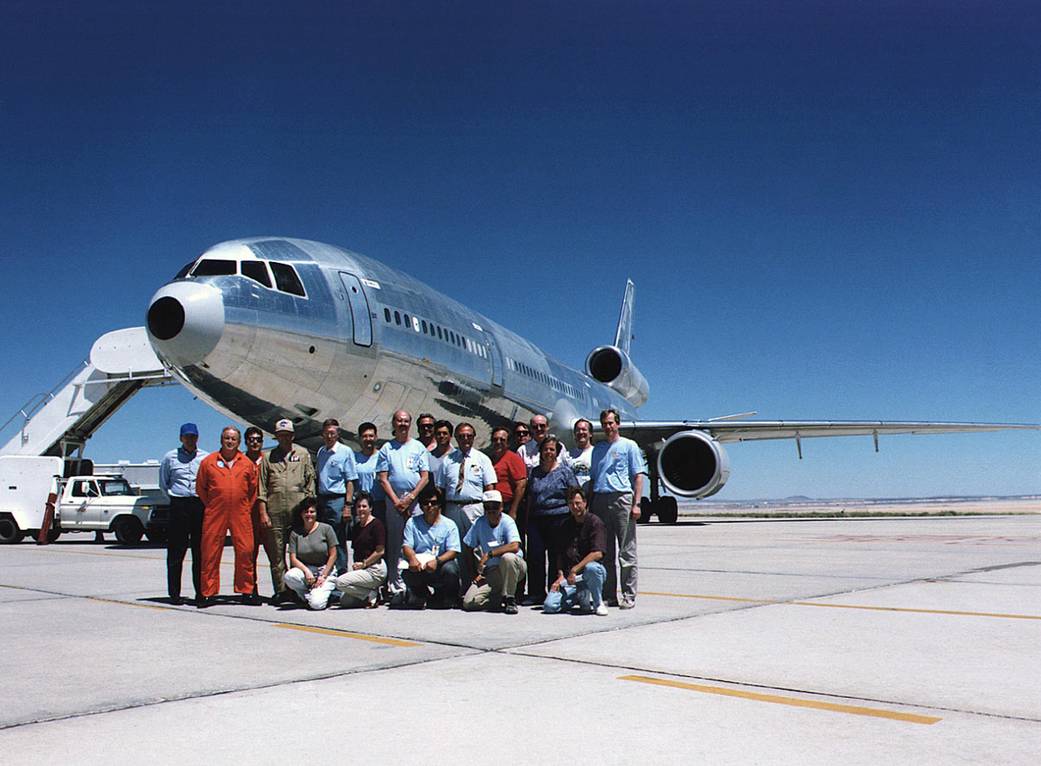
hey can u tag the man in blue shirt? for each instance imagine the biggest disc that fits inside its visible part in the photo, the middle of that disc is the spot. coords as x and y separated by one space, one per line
431 548
336 472
617 470
177 478
365 466
495 542
403 471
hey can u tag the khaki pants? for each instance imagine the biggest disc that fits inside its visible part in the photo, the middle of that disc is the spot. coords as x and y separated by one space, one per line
614 509
500 580
357 584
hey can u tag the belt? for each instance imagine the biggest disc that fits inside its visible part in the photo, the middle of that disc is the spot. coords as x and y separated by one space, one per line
332 494
464 502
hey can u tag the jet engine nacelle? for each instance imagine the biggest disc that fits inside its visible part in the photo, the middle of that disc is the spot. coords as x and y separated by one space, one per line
693 464
611 365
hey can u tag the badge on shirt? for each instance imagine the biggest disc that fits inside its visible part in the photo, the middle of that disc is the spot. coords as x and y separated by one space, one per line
220 464
293 457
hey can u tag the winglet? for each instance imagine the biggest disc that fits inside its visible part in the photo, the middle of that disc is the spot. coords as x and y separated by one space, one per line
624 334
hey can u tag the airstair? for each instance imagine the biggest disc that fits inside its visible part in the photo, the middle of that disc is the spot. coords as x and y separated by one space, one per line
59 422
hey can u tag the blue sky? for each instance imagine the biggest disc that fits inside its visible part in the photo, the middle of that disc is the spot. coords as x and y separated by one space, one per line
830 210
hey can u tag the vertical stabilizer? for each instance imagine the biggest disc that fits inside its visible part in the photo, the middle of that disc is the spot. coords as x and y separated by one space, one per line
624 334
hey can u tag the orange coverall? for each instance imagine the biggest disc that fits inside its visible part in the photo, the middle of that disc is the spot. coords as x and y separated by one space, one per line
228 491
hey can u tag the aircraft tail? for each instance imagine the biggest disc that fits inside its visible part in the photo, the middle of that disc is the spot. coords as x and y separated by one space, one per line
624 334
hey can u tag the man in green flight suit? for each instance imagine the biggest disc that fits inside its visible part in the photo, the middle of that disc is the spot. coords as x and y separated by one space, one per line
286 477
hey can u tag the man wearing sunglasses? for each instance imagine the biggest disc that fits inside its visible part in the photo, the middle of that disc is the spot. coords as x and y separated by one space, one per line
430 550
494 542
529 451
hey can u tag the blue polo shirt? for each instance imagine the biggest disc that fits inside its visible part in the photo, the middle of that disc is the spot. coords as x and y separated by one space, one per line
334 469
431 538
365 465
177 472
613 466
402 462
486 537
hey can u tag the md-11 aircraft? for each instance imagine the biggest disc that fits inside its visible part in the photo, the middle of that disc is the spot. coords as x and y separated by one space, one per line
268 328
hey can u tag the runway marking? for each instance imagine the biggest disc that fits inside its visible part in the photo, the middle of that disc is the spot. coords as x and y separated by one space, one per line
864 607
347 634
128 603
776 699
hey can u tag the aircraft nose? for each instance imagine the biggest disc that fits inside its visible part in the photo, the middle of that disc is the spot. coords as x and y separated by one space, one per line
185 322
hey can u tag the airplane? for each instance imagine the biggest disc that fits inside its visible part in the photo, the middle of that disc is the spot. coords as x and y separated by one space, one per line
266 328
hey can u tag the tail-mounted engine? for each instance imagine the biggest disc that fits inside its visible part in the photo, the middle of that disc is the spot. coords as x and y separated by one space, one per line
612 366
693 464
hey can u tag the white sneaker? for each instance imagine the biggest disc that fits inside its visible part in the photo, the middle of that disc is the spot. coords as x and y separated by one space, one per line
627 603
601 611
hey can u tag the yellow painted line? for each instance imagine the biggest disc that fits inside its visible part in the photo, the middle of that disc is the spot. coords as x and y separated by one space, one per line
909 610
347 634
128 603
776 699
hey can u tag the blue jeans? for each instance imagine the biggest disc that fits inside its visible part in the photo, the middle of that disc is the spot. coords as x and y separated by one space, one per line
330 511
586 592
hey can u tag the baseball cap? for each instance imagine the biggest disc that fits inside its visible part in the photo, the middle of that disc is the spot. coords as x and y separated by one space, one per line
189 429
492 496
285 424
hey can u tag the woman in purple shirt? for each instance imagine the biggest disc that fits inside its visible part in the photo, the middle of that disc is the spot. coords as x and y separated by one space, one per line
547 511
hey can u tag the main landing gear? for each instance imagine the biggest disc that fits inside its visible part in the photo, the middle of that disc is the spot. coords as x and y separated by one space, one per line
662 506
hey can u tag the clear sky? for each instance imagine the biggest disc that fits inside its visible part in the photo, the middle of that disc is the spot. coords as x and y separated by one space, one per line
830 210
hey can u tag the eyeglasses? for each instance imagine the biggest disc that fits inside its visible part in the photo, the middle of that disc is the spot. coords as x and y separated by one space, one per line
254 438
521 433
540 426
493 506
430 501
426 426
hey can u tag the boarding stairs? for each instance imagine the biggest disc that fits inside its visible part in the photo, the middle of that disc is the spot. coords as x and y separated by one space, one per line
59 422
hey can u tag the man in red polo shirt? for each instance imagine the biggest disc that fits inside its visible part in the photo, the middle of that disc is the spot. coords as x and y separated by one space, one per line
510 468
227 485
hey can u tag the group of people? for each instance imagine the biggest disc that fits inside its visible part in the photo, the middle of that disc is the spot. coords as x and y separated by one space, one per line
428 525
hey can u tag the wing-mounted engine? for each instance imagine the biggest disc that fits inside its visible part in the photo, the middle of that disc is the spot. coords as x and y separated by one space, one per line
693 464
612 366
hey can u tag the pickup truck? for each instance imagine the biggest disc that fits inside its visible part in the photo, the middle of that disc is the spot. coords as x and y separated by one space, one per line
102 503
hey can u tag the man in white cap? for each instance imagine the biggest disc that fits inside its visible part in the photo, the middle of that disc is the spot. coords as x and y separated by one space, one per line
494 542
286 477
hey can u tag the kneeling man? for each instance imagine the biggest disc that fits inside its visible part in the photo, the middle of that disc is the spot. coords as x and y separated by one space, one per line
580 575
430 548
495 543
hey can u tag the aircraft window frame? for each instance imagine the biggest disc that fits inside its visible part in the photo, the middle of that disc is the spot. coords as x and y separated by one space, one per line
415 323
183 271
386 315
439 333
423 322
202 268
266 281
293 285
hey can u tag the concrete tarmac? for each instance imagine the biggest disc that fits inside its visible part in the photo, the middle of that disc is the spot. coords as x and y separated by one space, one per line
868 641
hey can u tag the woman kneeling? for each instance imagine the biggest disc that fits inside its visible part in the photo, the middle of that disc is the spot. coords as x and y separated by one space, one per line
312 556
368 573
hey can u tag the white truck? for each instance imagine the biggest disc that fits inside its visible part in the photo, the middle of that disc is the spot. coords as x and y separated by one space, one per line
99 503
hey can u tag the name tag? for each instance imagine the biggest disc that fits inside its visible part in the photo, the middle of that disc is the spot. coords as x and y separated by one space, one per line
293 458
220 464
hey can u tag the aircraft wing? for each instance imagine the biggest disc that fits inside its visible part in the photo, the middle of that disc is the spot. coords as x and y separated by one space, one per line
649 431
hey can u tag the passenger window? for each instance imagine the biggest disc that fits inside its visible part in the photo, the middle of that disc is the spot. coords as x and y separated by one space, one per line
397 318
425 327
211 267
439 333
286 279
257 271
386 313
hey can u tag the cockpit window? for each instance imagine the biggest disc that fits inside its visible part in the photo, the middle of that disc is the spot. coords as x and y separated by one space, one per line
184 270
286 279
257 271
211 267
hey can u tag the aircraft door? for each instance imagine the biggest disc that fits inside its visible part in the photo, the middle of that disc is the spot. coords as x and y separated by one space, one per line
359 309
496 355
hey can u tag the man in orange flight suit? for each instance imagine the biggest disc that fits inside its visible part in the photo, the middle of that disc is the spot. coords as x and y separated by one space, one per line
227 485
